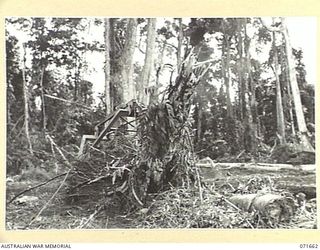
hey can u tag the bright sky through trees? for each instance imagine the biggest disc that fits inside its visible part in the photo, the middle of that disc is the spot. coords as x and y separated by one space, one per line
302 34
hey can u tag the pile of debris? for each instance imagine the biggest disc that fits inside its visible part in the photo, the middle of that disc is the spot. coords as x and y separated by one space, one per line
158 157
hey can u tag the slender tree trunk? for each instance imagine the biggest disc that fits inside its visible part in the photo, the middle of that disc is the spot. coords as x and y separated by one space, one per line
227 83
76 79
279 106
75 90
250 137
250 96
242 86
295 92
26 103
180 40
239 101
242 90
42 67
43 106
127 62
107 73
199 124
289 97
115 88
148 60
226 70
240 72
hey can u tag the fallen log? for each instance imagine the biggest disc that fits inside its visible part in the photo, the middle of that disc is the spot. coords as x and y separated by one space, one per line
282 177
272 207
258 166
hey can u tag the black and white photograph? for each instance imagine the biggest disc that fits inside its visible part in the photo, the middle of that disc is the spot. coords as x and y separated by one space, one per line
160 123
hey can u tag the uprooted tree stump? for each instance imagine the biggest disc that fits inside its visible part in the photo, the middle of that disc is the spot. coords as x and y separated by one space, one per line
159 156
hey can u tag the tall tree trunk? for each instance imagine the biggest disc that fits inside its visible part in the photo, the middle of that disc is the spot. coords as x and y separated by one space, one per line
114 89
228 83
250 136
242 90
43 106
279 106
226 69
42 66
240 72
148 60
179 49
107 88
26 103
287 81
289 97
295 92
250 96
127 68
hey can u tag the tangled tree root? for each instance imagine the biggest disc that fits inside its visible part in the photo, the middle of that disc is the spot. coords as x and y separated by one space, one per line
161 155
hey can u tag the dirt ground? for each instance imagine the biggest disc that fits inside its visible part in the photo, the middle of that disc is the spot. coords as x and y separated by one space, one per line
85 215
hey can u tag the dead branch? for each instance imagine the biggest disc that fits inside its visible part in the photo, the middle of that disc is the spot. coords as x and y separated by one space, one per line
67 101
90 218
241 153
58 189
59 150
48 202
136 197
34 187
16 124
231 204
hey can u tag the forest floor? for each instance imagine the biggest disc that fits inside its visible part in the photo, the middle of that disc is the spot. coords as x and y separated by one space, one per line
175 208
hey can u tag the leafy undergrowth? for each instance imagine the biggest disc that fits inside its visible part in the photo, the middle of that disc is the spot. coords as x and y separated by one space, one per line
174 208
184 209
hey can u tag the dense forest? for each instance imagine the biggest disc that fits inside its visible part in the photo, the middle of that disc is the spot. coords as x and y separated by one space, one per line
196 122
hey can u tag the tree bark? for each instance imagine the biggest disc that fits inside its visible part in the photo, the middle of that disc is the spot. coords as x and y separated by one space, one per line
148 60
250 95
289 94
226 70
302 128
240 71
274 29
115 86
127 68
107 74
279 106
26 104
250 135
43 106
